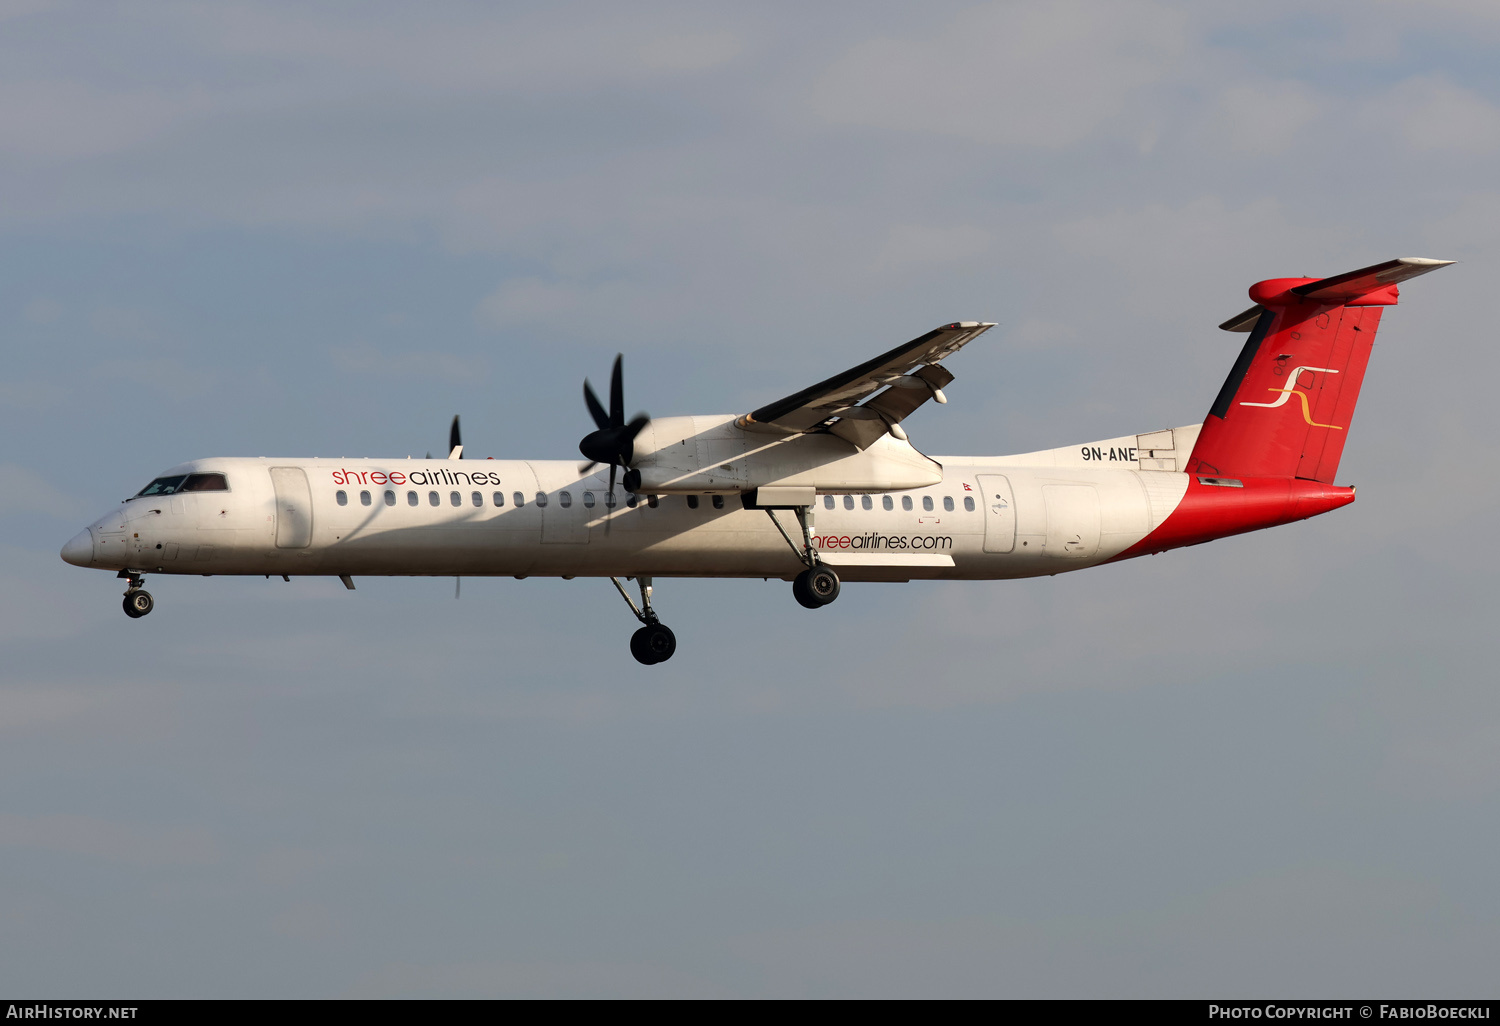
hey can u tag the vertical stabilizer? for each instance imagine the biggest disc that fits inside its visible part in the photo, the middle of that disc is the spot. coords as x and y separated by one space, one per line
1285 409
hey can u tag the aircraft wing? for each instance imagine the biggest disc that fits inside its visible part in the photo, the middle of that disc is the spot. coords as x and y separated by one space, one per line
909 375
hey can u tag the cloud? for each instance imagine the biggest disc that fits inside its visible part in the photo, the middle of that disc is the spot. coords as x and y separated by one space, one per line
521 979
689 52
124 324
1432 113
27 491
64 120
414 364
31 396
1266 118
455 50
1030 74
166 376
931 244
43 310
112 841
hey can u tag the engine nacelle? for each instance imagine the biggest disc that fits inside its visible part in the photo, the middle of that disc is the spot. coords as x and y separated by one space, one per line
697 455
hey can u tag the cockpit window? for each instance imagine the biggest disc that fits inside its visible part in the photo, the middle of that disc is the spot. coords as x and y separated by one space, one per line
205 483
163 486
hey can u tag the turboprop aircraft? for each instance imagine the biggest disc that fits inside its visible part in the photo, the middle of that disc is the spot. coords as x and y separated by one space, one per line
819 487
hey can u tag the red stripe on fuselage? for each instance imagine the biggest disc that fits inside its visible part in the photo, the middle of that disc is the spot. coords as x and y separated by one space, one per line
1207 512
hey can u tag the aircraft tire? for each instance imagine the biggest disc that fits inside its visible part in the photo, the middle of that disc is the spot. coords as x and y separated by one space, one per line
804 597
816 587
653 643
138 603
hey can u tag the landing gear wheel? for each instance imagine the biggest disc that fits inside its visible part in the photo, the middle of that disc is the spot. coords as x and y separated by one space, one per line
138 603
653 643
816 587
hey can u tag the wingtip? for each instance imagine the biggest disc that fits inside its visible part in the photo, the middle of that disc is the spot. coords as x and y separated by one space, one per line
1424 262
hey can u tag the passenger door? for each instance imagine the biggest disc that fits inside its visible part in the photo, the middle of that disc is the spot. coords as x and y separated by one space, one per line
999 513
294 513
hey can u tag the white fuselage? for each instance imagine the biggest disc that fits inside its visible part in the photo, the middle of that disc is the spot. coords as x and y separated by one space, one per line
987 517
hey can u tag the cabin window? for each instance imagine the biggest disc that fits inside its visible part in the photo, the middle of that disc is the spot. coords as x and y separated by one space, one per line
499 498
948 503
364 498
588 500
887 503
411 498
609 499
477 499
969 503
565 499
692 502
433 500
653 501
848 502
866 502
162 486
541 498
718 502
205 483
390 498
927 503
906 503
342 497
828 502
519 499
632 500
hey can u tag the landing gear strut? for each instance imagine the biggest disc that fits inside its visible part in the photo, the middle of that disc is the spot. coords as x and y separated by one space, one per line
654 642
818 585
138 601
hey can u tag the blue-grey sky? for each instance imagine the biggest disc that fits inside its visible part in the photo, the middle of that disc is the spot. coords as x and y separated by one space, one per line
1267 766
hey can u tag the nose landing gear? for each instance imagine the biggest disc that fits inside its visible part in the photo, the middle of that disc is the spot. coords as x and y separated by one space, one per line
138 602
654 642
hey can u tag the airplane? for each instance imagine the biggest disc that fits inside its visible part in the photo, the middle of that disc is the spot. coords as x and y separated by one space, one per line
818 488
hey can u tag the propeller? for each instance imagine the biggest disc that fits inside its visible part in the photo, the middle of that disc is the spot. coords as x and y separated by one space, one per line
455 452
455 441
614 441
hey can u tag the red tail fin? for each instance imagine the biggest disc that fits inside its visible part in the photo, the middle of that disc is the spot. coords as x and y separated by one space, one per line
1284 410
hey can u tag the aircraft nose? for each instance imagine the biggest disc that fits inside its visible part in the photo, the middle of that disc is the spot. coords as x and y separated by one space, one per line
80 550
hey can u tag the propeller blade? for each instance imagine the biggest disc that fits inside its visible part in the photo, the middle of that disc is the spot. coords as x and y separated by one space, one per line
455 441
609 503
601 419
613 440
617 393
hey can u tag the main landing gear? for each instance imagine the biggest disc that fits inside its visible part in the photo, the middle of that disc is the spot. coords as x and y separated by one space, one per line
654 642
138 601
818 585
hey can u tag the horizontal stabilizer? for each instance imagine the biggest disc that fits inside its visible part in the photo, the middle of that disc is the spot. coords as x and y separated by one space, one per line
1368 286
1242 322
1343 288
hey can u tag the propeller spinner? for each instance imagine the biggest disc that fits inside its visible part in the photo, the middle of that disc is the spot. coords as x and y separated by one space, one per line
614 441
